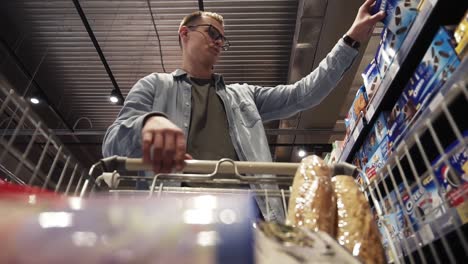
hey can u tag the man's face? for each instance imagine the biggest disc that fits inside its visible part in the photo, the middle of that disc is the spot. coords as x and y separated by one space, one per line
200 44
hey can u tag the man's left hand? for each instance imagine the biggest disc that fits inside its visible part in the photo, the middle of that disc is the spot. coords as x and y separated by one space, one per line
365 22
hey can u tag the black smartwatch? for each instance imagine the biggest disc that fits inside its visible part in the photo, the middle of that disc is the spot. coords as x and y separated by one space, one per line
351 42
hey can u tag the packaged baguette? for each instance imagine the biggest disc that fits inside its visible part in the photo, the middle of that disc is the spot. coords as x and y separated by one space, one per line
312 203
357 231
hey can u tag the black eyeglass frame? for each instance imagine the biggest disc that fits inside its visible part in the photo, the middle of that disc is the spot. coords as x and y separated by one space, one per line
217 35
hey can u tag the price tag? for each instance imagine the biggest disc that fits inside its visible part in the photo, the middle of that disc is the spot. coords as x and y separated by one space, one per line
427 236
370 112
436 101
356 133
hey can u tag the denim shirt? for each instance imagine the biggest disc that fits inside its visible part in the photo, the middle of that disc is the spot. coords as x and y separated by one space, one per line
246 106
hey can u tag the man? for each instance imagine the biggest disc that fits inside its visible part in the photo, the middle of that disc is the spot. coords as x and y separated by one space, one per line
167 118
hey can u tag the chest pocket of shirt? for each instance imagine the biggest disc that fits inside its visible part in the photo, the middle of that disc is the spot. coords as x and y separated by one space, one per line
249 114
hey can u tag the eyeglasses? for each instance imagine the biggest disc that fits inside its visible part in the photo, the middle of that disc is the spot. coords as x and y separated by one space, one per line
215 35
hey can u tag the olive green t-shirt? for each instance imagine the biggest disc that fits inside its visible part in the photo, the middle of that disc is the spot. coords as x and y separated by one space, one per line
208 137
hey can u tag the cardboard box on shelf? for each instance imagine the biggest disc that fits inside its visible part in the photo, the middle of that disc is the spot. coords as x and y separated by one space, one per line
425 208
382 58
389 222
376 135
438 64
372 79
400 15
439 54
393 9
399 24
453 177
354 113
461 36
399 118
403 220
377 160
440 80
357 162
360 178
336 151
394 217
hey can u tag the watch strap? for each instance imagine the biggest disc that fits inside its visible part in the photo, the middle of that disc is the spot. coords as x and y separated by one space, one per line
351 42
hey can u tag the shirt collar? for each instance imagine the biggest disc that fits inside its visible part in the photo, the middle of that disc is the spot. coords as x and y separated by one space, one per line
179 73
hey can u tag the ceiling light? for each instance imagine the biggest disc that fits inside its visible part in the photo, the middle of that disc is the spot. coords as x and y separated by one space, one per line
34 100
115 97
301 153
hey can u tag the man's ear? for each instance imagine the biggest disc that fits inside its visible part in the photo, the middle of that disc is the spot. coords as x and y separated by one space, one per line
183 32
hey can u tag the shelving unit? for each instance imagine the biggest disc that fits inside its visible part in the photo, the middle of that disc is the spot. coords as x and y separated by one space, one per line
401 58
440 128
355 139
39 159
438 233
432 15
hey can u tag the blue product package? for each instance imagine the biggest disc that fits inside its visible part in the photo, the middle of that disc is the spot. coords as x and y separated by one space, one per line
376 135
399 24
454 176
381 127
389 7
389 219
370 145
403 219
371 78
394 9
359 105
348 125
425 205
377 160
378 6
400 15
395 210
399 118
439 54
382 58
444 75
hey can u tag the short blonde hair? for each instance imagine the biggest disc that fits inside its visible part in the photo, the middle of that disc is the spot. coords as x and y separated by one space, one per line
197 15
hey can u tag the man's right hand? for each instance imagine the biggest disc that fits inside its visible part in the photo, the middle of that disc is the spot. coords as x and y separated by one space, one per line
167 142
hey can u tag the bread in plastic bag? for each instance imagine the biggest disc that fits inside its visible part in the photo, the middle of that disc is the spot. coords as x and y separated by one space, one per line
357 230
312 202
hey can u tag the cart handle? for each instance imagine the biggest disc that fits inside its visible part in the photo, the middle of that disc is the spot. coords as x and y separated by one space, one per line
208 166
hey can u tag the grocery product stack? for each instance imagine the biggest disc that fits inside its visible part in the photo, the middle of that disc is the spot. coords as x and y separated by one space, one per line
409 138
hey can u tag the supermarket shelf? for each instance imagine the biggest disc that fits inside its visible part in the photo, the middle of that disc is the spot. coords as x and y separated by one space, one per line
354 140
400 59
452 95
44 161
439 132
387 92
419 122
432 15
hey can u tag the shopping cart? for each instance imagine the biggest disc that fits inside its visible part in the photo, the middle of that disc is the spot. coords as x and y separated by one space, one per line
115 175
109 173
